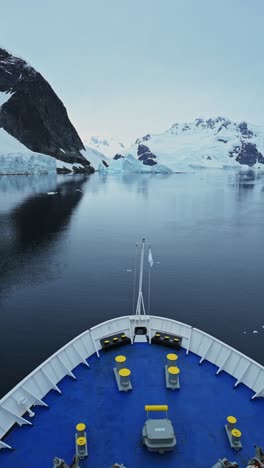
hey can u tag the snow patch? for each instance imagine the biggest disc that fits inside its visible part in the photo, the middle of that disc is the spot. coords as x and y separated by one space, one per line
4 97
109 147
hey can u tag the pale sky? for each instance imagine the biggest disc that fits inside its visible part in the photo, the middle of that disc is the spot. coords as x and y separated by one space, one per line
124 68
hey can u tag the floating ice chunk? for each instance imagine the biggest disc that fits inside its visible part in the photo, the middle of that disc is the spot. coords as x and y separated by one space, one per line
52 193
255 331
78 190
129 270
244 332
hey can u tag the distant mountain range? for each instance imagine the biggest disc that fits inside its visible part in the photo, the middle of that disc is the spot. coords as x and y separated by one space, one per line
214 143
32 113
107 146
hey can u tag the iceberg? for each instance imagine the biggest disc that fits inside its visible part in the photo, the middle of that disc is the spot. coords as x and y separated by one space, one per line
130 164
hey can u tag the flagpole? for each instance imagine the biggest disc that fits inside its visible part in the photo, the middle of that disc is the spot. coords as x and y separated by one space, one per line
140 295
149 291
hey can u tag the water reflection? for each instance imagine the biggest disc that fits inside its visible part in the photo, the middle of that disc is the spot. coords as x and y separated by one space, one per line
31 229
247 182
15 190
133 182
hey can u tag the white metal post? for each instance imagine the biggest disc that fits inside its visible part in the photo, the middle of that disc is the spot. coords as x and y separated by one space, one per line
140 300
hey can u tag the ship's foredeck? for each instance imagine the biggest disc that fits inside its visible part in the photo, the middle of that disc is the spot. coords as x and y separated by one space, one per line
114 419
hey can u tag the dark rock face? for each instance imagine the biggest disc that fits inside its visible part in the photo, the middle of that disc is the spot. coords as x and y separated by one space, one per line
142 149
244 130
118 156
147 161
248 154
35 115
63 170
145 155
76 170
144 138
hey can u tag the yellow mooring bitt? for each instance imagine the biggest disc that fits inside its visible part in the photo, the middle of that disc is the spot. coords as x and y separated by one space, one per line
150 408
156 407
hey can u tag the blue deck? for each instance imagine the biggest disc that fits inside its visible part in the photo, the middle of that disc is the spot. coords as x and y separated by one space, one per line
114 420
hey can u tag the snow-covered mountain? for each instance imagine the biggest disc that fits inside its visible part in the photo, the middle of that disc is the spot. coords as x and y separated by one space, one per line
31 112
95 157
214 143
107 146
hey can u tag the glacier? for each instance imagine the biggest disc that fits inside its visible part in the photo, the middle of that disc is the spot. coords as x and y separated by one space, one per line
16 159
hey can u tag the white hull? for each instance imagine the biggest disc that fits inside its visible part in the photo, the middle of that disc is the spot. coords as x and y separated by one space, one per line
47 376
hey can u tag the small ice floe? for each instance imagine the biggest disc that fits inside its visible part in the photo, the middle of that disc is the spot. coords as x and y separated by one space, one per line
78 190
244 332
262 326
129 270
158 263
255 331
52 193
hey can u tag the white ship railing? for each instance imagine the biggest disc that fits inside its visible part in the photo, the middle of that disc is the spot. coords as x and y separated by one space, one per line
31 390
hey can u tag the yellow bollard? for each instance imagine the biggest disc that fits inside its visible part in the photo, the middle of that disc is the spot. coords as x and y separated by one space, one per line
231 422
171 359
124 374
120 362
236 435
173 372
81 444
80 428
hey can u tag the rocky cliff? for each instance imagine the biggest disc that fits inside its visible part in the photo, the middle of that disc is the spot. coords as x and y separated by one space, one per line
34 114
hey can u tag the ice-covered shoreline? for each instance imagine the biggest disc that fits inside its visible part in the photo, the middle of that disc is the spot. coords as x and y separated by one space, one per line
16 159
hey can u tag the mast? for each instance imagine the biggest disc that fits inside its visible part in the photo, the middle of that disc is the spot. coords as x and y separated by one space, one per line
140 300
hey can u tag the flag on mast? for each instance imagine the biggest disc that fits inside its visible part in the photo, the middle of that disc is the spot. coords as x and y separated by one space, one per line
150 258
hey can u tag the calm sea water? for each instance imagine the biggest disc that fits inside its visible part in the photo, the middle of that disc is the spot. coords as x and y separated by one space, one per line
65 258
